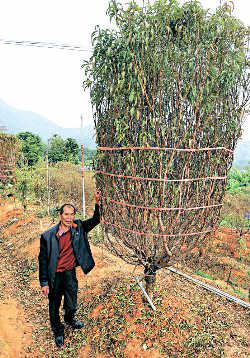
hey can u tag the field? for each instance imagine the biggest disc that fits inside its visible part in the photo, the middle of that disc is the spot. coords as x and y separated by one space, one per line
189 321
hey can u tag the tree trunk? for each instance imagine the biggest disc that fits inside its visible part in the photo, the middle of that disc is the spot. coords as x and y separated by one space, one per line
150 278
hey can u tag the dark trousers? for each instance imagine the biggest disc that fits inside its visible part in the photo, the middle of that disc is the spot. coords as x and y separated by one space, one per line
66 285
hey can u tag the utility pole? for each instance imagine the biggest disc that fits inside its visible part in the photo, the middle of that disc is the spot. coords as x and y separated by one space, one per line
82 174
48 176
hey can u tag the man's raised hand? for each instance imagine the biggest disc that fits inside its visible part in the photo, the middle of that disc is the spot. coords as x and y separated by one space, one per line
98 195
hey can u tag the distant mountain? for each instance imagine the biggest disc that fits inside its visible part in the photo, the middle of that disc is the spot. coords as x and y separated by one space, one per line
18 120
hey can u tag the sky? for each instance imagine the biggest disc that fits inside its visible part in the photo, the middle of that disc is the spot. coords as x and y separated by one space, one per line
49 81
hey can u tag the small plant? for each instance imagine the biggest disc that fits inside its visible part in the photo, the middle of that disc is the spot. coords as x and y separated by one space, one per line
238 291
206 275
54 213
97 236
42 213
234 221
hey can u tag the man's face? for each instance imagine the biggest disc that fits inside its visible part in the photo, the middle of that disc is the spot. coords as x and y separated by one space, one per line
67 216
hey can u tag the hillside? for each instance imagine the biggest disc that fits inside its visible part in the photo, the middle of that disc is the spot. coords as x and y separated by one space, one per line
17 120
189 321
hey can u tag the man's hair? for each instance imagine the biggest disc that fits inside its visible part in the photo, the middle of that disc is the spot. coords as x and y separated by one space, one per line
60 210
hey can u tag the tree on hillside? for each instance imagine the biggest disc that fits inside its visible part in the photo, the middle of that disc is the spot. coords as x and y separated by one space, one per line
72 150
169 90
89 153
247 167
32 147
56 149
10 148
63 150
238 179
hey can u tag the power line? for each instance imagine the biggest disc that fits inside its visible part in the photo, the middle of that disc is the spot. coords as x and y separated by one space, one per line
53 45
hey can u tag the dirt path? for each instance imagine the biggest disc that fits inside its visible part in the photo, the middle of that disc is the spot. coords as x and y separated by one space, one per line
15 329
15 333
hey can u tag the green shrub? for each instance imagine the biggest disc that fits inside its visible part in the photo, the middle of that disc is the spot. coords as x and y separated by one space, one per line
234 221
204 274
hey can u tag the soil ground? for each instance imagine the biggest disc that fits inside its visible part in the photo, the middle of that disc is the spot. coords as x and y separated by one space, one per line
188 322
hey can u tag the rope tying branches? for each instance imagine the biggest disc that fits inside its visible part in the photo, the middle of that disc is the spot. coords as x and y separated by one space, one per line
159 179
152 234
154 209
163 148
168 110
160 209
166 207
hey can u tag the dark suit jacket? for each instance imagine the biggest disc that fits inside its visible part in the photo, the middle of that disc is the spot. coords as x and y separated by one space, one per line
49 248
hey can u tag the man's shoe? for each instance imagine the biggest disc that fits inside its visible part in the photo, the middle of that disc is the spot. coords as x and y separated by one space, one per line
59 341
75 323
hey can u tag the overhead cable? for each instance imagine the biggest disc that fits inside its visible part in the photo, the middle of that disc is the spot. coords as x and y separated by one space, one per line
53 45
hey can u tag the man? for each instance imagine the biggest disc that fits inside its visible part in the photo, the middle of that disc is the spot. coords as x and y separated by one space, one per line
62 248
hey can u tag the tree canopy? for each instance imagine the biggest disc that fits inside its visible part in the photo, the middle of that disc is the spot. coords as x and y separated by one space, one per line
10 147
169 90
165 64
32 147
63 150
238 180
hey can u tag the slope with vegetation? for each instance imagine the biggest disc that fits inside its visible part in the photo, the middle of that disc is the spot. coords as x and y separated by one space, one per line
16 120
188 322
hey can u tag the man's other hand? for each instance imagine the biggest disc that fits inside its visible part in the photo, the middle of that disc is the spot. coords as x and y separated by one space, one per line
98 195
45 290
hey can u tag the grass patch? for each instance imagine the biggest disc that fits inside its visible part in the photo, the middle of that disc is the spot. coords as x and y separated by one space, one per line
204 274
